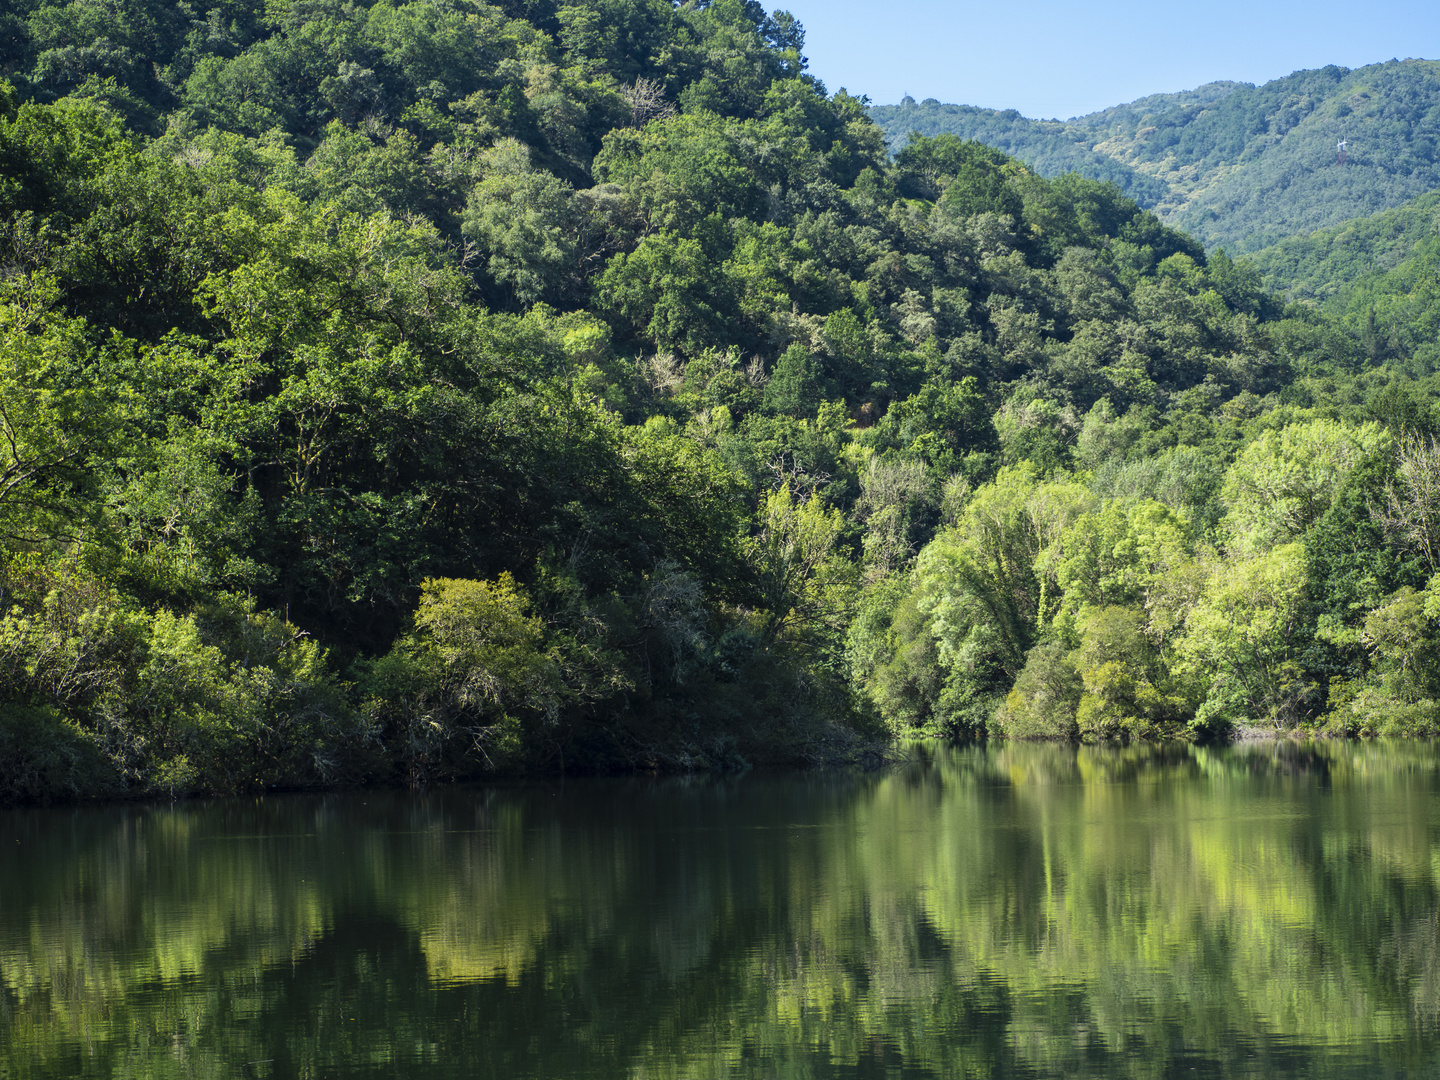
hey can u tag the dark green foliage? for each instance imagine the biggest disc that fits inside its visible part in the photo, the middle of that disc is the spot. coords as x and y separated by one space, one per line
795 386
945 425
967 178
48 759
891 644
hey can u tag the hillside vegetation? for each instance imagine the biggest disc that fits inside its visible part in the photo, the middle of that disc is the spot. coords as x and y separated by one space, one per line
1047 146
413 391
1378 276
1235 165
1319 265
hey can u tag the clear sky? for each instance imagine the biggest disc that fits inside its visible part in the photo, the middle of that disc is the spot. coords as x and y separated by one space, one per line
1053 59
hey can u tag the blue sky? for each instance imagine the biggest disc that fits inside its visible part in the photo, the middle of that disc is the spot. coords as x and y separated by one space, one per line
1051 59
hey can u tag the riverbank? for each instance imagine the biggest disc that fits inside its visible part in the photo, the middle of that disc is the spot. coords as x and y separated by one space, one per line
45 760
40 769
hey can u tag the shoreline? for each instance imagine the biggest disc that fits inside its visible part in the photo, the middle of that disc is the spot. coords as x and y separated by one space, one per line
871 760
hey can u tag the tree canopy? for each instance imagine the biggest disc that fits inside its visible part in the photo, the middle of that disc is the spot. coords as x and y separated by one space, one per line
399 392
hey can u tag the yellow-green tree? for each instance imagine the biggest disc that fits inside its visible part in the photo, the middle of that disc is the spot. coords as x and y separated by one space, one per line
1240 640
805 582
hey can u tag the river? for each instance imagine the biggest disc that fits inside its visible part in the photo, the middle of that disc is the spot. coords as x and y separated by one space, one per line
1006 910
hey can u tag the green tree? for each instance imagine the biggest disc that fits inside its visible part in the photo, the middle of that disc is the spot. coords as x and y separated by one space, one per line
56 419
795 387
803 579
526 224
1240 637
1281 483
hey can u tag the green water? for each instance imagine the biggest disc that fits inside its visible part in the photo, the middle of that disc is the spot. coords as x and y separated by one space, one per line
1002 911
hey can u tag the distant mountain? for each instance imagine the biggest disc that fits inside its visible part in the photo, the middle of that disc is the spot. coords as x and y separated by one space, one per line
1156 105
1379 276
1332 261
1048 146
1235 165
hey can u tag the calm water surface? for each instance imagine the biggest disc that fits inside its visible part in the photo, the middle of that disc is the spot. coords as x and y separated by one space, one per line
1003 911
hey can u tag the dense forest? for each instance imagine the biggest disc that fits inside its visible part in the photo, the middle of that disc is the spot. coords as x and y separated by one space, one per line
1322 265
1234 165
1379 277
399 392
1049 147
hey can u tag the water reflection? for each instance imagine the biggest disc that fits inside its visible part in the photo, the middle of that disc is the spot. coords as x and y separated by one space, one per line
1016 910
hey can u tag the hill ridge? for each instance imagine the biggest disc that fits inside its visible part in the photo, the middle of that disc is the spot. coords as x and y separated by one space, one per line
1237 165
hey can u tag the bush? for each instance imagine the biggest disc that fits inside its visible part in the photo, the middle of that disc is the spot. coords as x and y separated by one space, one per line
44 757
1047 692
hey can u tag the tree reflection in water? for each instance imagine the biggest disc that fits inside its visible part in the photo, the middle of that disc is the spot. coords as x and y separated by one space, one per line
1008 910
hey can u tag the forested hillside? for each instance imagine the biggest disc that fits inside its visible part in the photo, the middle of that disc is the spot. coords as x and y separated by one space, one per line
1050 147
1377 276
411 391
1237 166
1319 265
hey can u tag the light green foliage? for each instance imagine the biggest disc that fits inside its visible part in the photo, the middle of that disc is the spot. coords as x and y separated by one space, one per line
1238 637
1042 703
1185 479
178 513
1012 529
1129 690
1398 630
54 419
488 643
1116 556
1104 438
986 586
1282 482
476 671
1118 569
803 579
894 494
223 700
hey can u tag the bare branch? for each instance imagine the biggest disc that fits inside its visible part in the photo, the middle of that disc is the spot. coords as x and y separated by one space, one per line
1411 513
646 98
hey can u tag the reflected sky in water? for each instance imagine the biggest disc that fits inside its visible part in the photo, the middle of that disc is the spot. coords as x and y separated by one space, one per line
1013 910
